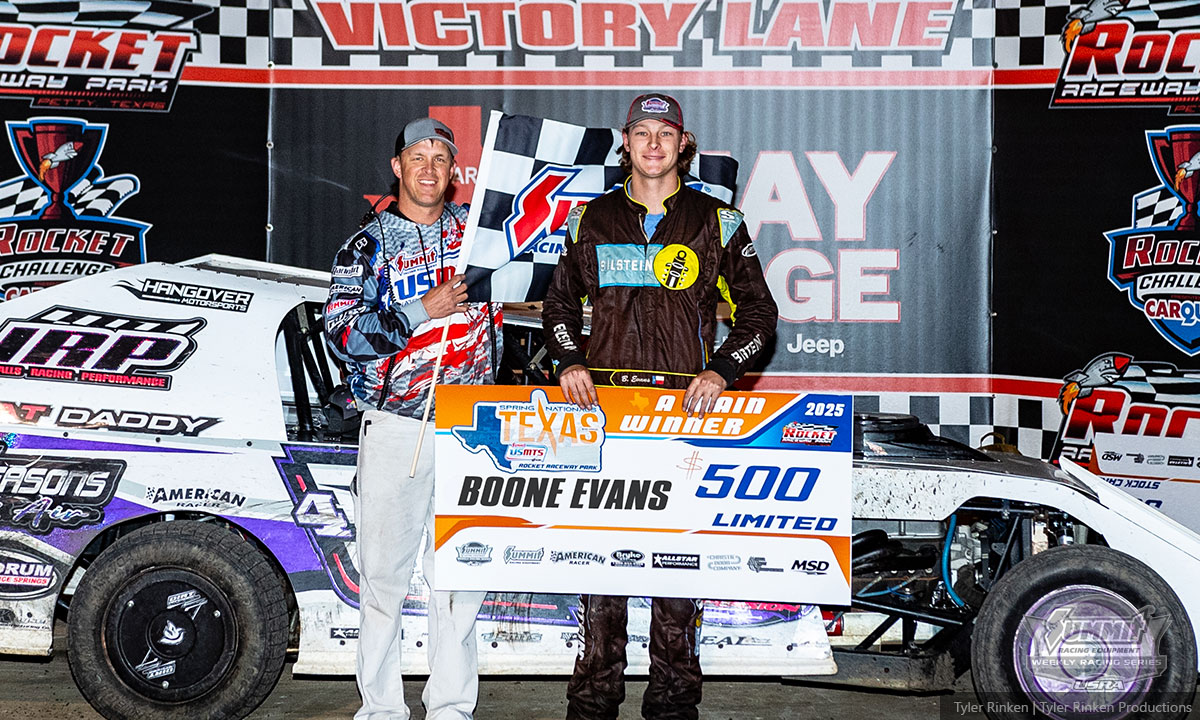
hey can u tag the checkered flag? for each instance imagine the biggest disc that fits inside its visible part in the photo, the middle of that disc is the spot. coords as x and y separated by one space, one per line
154 14
1156 208
1162 14
533 171
94 196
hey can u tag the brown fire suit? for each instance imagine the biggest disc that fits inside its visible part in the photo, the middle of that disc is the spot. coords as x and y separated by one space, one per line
654 322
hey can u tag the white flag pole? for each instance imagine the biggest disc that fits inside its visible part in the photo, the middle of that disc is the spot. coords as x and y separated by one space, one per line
468 243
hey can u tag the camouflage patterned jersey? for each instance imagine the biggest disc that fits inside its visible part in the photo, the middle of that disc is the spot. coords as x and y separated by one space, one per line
375 322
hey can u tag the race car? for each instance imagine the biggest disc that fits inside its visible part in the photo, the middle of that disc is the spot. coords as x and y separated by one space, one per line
171 484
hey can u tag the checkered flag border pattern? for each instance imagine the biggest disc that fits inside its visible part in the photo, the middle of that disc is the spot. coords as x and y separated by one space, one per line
524 147
981 34
1156 208
94 196
1030 423
289 34
153 14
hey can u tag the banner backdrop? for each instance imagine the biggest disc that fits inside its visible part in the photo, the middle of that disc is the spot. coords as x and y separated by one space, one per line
633 497
869 209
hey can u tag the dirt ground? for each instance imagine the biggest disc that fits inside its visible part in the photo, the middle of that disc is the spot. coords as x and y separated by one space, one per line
42 689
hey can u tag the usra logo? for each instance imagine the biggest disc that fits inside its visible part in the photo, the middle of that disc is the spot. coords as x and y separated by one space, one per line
1156 261
1123 53
537 434
541 208
72 345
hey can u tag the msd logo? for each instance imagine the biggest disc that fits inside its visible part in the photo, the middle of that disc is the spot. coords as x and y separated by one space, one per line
540 210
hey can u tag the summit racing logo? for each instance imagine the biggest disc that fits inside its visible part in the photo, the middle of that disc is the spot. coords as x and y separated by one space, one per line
1123 53
97 54
56 220
540 210
537 435
1157 260
70 345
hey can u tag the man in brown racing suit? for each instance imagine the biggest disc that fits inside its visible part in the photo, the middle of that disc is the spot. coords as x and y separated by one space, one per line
653 257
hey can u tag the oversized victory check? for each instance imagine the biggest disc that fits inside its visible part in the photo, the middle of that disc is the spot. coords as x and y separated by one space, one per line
633 497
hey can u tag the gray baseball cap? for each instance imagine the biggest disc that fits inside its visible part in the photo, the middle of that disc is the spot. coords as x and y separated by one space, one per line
655 106
425 129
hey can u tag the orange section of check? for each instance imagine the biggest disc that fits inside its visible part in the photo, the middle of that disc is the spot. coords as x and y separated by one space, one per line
447 526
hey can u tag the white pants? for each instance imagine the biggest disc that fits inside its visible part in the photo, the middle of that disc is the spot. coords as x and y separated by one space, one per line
391 510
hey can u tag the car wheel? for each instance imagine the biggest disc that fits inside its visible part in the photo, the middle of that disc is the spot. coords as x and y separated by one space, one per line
178 620
1083 631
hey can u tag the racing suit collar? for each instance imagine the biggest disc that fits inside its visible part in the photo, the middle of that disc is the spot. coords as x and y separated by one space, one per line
668 201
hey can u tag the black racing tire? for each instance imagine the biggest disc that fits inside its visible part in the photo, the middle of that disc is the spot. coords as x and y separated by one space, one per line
1059 634
178 620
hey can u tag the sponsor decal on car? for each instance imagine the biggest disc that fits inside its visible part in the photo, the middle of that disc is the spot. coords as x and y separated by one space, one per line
23 413
72 345
317 509
179 293
25 574
40 494
734 640
511 636
343 633
195 497
134 421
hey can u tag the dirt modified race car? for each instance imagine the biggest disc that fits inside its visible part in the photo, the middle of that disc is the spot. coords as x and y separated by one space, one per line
169 485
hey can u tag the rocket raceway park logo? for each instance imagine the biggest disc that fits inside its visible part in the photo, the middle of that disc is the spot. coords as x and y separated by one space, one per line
56 220
1130 405
71 345
1157 260
96 53
1128 53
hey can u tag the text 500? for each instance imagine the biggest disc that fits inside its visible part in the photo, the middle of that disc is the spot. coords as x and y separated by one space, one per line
758 482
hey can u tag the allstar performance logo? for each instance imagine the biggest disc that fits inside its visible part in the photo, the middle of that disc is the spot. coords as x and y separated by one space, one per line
676 561
57 219
1124 53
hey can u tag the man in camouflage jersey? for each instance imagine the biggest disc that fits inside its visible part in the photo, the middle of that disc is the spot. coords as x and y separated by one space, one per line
393 283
